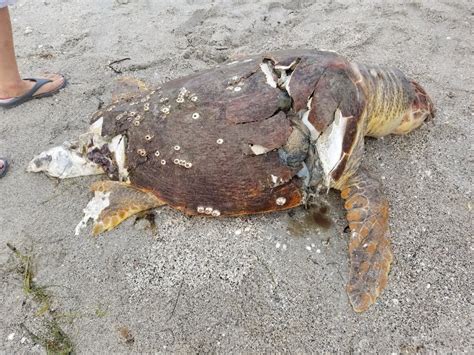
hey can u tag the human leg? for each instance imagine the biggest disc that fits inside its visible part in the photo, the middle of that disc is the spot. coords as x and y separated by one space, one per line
11 83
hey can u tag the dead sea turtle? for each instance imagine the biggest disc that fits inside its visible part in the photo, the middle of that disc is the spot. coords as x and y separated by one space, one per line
251 136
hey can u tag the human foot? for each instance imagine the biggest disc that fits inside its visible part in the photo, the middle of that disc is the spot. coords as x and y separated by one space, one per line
3 167
31 88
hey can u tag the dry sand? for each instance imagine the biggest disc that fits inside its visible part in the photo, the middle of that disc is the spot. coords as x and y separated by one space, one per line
198 285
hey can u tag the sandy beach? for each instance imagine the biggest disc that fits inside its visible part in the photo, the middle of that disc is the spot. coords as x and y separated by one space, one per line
270 283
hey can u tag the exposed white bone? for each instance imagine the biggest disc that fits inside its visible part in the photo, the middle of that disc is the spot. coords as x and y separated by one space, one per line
276 180
96 127
117 147
286 83
329 144
99 202
62 162
268 74
259 149
286 67
69 159
314 133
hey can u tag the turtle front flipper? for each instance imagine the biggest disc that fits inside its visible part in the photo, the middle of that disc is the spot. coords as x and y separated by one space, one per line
113 203
369 245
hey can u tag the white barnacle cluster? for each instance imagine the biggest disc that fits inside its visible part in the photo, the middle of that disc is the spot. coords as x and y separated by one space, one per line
141 152
280 201
145 99
208 210
183 163
131 115
146 107
185 94
137 120
235 83
165 109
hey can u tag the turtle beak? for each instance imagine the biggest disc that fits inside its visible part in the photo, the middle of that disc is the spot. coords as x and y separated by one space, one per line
421 110
422 102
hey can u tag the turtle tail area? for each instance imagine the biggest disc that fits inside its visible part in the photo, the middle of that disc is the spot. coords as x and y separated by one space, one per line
369 246
114 202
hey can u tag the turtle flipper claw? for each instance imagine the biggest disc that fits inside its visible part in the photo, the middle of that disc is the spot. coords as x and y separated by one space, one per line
369 245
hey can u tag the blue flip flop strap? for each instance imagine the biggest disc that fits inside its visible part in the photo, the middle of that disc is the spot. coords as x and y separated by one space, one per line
38 84
30 94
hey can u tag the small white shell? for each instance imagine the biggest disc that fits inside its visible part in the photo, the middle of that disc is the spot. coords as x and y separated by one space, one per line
200 209
220 141
196 115
141 152
136 123
180 100
188 165
157 153
208 210
280 201
216 213
194 98
163 162
176 147
148 137
146 107
238 88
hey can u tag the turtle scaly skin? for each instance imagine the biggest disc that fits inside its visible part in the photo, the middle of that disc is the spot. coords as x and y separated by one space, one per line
258 135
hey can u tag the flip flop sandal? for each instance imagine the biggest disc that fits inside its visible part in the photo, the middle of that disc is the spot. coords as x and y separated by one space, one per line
4 168
30 95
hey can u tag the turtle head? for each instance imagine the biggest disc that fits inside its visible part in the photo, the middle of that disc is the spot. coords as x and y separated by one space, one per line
420 109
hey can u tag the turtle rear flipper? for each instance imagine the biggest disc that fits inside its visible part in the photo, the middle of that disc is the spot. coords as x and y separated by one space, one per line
369 246
113 203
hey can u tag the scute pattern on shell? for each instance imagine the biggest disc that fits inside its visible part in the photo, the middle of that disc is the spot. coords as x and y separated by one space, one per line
227 176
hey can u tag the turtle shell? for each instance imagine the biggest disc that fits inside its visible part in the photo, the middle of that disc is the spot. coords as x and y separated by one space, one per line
212 142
